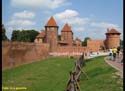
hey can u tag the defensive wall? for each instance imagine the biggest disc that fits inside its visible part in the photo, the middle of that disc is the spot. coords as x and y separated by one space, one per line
18 53
69 51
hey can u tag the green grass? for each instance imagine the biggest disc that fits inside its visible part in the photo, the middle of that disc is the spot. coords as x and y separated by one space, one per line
52 74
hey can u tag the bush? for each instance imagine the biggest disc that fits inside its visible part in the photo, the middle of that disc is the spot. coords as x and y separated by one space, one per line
71 57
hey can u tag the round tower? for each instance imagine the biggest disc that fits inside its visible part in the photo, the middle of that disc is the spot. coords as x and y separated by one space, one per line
112 38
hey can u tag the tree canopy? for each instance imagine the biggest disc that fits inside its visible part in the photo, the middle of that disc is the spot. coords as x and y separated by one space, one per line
84 43
24 35
121 43
4 37
59 37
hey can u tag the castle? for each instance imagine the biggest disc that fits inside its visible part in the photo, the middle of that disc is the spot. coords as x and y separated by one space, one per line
68 44
49 43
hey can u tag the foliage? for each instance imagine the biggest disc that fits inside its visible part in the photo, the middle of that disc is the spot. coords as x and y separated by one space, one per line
59 37
15 35
84 43
52 74
24 35
121 43
4 37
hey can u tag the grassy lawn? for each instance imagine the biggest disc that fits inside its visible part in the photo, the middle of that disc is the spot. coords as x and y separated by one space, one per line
52 75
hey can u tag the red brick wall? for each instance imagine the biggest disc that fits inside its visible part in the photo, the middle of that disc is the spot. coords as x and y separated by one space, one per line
21 53
94 45
78 43
67 36
70 51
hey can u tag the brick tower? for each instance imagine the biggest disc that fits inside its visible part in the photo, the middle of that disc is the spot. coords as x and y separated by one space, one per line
67 34
112 38
51 31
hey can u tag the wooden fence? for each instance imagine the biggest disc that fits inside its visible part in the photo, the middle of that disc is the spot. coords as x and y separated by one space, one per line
72 84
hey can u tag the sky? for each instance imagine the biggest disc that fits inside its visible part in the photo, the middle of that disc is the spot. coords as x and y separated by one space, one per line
87 18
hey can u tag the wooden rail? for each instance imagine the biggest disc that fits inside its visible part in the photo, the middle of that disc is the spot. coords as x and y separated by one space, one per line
72 84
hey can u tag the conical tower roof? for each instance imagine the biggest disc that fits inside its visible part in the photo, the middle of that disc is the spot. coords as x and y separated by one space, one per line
51 22
66 28
112 31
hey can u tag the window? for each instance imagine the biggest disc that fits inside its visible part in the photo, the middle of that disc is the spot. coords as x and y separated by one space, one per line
47 28
65 35
52 28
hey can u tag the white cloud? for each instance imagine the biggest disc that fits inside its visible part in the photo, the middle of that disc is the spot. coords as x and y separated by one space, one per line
79 29
100 28
47 12
77 20
50 4
71 16
20 22
66 14
104 25
83 27
24 14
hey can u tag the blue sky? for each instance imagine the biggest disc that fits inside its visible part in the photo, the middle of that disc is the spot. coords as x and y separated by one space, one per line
87 18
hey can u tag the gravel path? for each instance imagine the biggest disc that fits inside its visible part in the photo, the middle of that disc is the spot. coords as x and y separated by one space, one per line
116 64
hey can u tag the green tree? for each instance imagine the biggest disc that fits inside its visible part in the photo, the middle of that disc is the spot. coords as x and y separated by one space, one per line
15 35
24 35
4 37
121 43
84 43
59 37
32 35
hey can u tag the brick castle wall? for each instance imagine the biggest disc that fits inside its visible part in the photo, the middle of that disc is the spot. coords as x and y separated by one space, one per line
18 53
68 51
94 45
21 53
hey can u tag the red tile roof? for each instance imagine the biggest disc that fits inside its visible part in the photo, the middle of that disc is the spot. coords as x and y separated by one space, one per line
66 28
41 35
78 39
51 22
112 31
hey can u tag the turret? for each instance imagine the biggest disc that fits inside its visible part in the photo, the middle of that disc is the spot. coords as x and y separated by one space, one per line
112 38
51 30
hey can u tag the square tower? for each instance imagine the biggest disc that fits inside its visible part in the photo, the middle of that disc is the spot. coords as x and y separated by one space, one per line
67 34
51 31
